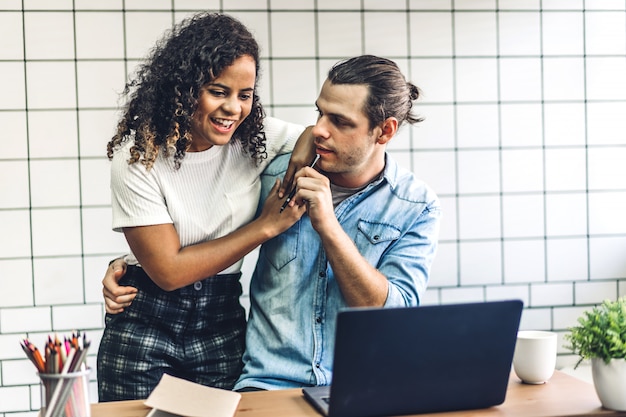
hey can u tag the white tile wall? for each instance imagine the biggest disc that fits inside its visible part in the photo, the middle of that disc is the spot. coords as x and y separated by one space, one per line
476 79
475 34
606 257
544 295
301 43
142 29
99 83
521 125
564 123
522 216
14 398
293 86
522 170
604 212
567 259
15 192
52 134
379 28
480 263
49 35
562 33
524 140
605 78
479 216
15 122
92 42
58 281
519 32
12 84
11 36
472 134
16 223
346 26
26 319
606 123
524 261
16 283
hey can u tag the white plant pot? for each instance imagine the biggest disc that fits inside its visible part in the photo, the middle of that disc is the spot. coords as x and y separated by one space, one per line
610 382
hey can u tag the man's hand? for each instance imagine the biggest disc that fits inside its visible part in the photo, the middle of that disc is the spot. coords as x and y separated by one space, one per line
314 193
116 297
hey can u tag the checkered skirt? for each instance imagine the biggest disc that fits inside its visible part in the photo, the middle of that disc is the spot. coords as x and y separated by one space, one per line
196 332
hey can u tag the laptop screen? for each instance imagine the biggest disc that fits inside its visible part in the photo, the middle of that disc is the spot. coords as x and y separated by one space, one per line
396 361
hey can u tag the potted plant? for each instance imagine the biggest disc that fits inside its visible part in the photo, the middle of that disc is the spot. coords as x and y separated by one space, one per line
601 337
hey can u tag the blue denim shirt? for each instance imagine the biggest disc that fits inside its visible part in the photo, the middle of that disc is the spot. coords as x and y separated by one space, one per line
294 296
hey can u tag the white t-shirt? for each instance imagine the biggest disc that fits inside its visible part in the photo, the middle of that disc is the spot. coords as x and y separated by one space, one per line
213 193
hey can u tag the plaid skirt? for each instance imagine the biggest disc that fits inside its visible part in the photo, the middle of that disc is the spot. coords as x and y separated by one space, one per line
196 333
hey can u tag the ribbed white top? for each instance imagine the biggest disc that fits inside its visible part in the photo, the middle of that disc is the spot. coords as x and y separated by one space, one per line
212 194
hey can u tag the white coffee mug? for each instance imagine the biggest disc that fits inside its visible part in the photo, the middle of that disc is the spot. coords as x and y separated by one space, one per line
535 356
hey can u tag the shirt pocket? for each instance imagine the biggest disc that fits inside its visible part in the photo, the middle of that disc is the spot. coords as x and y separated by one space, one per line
373 238
283 248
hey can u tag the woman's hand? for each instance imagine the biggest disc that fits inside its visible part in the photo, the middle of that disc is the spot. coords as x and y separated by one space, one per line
275 220
302 155
116 297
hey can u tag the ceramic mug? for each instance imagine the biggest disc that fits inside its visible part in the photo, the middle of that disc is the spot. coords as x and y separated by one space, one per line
534 359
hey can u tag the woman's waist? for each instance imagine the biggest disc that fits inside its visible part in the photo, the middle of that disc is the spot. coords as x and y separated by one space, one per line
235 268
223 284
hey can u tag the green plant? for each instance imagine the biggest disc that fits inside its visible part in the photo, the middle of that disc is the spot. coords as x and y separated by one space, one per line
601 332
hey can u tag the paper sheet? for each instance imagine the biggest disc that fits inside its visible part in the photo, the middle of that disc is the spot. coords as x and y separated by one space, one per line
184 398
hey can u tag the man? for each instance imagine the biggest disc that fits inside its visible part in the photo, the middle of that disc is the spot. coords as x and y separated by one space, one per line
368 237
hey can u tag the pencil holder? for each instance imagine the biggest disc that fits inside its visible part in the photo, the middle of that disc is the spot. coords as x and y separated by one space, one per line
65 395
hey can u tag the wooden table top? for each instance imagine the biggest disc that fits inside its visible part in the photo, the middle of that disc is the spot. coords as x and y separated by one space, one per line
562 395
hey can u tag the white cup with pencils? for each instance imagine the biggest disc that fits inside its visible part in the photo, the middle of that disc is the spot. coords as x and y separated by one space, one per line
64 375
65 394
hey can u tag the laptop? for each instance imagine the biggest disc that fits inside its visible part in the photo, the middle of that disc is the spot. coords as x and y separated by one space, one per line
413 360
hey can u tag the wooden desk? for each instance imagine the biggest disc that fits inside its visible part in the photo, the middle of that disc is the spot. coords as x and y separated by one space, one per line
563 395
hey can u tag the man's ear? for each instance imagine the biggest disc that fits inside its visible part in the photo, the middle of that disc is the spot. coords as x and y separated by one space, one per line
388 128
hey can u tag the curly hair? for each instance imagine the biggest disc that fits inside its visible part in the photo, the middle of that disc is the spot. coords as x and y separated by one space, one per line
163 96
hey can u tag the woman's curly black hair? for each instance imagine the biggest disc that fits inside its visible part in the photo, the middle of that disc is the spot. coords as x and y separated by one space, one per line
163 95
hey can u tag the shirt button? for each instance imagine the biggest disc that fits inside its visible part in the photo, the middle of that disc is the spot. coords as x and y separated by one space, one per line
317 365
322 274
319 319
197 285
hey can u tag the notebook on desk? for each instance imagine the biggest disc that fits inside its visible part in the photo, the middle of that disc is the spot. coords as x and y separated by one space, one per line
397 361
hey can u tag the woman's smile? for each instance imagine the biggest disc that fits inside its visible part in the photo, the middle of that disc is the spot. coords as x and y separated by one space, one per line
223 105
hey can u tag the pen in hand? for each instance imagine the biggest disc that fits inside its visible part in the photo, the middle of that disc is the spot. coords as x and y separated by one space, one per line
293 190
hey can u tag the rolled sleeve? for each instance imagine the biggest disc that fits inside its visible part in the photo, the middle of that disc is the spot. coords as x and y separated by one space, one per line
407 264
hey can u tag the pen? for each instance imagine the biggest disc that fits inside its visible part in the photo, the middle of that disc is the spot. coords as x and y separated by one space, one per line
293 190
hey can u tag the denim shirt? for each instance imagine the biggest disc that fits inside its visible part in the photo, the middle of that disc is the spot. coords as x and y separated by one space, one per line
294 296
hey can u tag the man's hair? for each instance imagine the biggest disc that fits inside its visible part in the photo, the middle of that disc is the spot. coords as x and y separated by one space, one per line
389 94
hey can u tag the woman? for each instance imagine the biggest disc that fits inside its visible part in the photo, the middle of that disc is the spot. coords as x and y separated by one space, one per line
186 161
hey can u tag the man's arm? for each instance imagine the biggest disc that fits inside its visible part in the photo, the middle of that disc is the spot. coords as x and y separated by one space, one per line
403 272
116 297
361 284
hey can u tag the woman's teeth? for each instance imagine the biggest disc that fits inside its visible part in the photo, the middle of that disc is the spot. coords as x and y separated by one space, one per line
223 122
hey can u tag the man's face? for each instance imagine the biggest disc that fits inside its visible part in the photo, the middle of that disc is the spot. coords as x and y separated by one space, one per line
349 152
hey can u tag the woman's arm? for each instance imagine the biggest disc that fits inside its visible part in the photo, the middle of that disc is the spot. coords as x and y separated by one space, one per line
170 266
302 155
